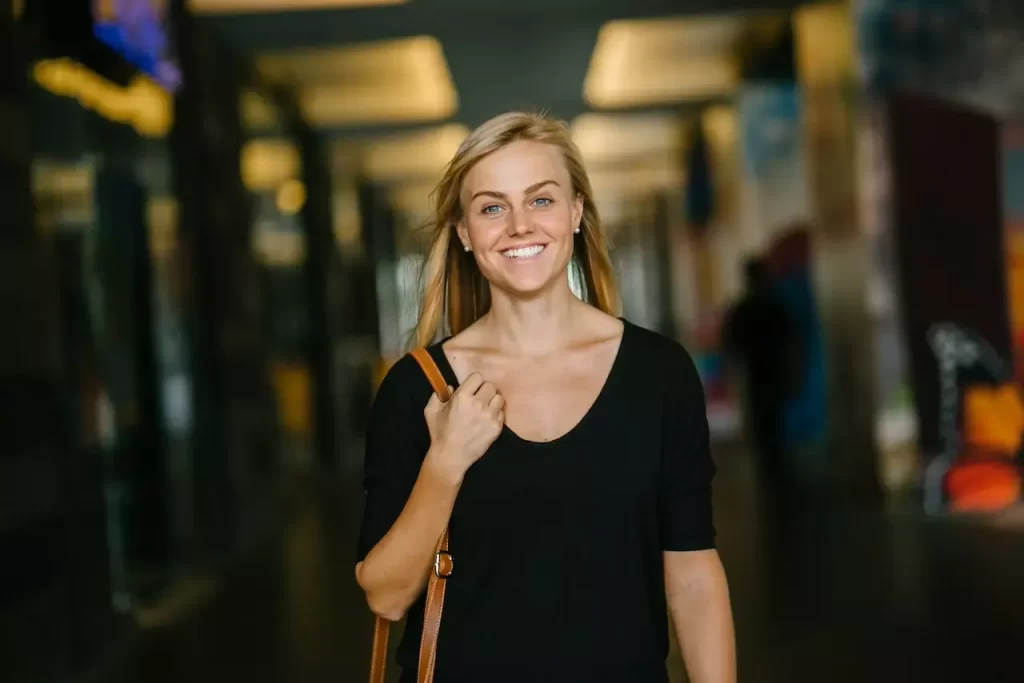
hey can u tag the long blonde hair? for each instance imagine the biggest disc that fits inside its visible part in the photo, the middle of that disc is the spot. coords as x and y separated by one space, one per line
453 284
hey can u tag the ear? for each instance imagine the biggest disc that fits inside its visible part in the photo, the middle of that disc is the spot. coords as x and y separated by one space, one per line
577 211
463 233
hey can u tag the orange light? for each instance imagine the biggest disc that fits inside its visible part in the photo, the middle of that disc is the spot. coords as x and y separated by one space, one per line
143 104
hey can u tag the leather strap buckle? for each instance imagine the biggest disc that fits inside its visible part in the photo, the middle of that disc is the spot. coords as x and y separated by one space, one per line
443 564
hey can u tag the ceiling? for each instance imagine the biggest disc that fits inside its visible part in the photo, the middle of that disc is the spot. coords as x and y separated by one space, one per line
364 65
399 84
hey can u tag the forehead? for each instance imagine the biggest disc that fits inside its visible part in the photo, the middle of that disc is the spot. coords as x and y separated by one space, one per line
515 167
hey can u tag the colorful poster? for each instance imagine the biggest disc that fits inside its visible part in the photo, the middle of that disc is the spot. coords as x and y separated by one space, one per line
1013 197
775 192
965 52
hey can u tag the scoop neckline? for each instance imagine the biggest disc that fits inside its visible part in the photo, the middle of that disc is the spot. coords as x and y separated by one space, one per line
449 374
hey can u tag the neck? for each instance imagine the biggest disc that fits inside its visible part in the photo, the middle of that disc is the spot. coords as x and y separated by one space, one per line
532 327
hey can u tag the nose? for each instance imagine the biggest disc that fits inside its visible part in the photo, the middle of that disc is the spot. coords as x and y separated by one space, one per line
518 223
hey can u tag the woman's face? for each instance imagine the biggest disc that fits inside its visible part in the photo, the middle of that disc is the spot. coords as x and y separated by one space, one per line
520 212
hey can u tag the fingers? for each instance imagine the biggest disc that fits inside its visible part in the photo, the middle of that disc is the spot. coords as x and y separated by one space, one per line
433 405
472 383
496 405
486 392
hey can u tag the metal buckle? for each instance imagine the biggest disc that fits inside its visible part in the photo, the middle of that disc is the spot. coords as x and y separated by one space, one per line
437 564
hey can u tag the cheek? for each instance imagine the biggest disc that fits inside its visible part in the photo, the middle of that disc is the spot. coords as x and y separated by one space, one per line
558 224
484 231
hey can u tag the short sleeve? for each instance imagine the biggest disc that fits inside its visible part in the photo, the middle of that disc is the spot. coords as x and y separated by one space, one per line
684 496
396 442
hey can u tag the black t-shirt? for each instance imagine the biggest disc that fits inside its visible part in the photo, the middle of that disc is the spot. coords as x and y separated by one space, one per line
558 570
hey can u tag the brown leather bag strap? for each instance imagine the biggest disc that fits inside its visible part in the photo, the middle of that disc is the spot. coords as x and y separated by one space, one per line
436 584
379 656
433 373
438 576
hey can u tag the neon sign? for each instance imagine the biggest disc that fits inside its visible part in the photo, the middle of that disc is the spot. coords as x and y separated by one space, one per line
136 30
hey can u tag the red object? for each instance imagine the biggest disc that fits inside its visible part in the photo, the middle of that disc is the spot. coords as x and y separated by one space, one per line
983 485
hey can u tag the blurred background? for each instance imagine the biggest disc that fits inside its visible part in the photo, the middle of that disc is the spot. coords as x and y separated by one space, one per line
210 212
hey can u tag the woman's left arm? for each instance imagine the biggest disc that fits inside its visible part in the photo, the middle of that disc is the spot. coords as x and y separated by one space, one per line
695 585
698 598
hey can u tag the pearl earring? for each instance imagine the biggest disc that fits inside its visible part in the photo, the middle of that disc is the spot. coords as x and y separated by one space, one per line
577 230
466 247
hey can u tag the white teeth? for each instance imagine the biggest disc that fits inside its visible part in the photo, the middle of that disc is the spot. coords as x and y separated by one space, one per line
524 252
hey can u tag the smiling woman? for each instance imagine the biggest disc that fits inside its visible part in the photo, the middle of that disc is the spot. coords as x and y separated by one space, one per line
561 450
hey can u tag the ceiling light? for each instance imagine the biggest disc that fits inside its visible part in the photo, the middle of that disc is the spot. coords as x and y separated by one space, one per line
291 197
394 81
423 154
615 138
265 164
661 61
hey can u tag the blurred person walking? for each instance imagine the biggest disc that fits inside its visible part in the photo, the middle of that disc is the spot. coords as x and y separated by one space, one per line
761 341
570 467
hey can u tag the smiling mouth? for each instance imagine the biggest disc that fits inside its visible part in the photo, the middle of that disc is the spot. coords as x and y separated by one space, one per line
520 253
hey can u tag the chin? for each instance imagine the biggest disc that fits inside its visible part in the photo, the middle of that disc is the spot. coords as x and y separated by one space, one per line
525 287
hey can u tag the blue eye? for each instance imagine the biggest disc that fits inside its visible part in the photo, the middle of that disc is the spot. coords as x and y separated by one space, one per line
541 201
487 209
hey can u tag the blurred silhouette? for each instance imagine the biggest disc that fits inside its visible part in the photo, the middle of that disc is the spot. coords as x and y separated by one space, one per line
761 343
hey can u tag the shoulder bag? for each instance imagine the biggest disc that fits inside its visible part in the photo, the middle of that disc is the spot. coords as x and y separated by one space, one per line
435 584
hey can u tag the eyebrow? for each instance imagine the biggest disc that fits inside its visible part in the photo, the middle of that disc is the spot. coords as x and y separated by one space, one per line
502 195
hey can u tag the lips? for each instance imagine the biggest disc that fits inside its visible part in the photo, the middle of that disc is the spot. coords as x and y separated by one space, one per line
524 252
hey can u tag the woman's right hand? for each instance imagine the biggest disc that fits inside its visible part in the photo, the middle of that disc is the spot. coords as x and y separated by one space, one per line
462 429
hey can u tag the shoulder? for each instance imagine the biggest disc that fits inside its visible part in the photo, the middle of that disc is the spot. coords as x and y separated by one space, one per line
662 359
656 349
404 386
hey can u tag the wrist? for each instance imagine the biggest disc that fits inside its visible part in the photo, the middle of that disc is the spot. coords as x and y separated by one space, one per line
440 467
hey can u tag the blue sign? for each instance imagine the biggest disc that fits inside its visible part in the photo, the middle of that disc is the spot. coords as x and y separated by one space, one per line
135 30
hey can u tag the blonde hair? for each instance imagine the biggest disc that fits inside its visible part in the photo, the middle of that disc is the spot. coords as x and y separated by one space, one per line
454 287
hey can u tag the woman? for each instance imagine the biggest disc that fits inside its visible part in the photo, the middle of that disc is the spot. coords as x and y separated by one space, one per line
572 458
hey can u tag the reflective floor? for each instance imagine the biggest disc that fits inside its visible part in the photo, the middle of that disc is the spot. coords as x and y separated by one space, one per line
836 592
